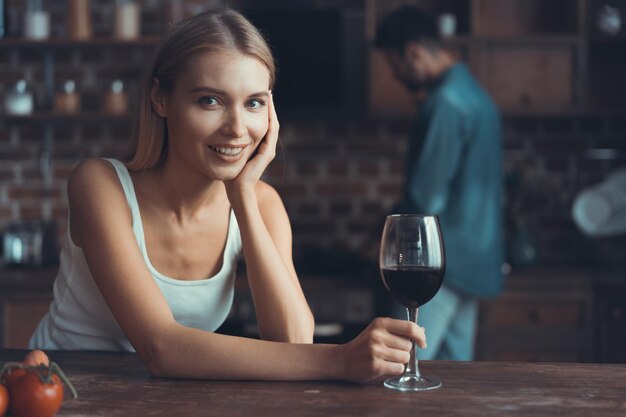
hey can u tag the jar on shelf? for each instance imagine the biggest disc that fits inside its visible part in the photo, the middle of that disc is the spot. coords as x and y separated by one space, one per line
19 100
67 101
609 20
116 99
36 21
127 20
4 19
447 25
79 20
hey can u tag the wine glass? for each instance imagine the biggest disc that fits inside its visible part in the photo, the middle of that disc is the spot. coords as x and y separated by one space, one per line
412 264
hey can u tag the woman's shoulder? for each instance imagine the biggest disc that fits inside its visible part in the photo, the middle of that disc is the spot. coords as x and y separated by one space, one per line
92 170
93 176
95 195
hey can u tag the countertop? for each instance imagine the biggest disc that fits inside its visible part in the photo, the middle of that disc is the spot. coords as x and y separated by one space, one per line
117 384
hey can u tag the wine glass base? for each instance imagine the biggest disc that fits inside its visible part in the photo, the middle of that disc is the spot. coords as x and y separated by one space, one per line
412 383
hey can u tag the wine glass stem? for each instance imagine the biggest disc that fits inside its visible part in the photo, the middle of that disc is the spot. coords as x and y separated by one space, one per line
412 367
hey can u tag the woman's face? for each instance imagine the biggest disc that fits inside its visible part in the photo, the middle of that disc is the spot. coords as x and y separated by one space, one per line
217 113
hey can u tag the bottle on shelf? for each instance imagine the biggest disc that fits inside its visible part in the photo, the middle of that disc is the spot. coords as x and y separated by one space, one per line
447 25
609 20
116 100
36 21
19 100
3 19
79 20
67 101
127 20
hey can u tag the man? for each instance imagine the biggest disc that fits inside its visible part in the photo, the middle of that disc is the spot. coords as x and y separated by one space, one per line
454 170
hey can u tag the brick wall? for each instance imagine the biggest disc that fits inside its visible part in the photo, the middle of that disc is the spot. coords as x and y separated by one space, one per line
338 178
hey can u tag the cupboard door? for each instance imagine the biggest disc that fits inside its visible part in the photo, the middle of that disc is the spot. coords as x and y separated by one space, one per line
527 77
21 316
524 17
535 313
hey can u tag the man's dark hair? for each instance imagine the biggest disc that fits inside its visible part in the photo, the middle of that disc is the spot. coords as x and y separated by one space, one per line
406 24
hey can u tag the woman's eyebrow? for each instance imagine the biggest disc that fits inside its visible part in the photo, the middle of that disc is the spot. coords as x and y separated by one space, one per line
261 93
208 90
224 93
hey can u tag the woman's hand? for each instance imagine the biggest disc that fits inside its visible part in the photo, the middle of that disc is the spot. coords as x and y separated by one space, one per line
382 349
265 153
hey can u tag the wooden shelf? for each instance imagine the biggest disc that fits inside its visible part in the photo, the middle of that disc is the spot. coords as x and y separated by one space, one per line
51 117
65 43
539 40
570 111
607 39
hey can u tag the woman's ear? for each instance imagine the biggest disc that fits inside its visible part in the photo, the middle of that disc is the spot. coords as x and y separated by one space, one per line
158 98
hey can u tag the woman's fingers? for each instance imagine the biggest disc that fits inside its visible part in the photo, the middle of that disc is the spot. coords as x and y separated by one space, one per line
383 348
272 134
397 342
404 329
396 355
268 144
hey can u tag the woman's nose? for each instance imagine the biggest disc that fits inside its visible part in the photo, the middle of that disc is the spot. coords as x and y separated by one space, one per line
234 124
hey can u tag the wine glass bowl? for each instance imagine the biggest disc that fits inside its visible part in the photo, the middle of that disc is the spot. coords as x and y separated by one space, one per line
412 265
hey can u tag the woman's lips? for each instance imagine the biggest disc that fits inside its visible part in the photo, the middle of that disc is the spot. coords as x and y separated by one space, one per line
228 153
224 150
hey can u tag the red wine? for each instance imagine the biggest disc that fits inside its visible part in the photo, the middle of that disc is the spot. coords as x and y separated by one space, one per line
412 286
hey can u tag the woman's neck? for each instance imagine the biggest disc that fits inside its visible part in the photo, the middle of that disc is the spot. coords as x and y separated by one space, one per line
185 194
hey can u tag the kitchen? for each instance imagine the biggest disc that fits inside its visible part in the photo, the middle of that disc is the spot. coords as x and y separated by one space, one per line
555 71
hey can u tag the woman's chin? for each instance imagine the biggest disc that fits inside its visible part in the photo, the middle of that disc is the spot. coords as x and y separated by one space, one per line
227 175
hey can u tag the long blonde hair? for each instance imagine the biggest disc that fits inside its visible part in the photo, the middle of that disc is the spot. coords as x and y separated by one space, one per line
223 29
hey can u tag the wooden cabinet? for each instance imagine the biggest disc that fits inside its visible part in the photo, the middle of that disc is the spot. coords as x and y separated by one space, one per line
20 315
538 318
524 17
533 56
544 79
25 296
610 323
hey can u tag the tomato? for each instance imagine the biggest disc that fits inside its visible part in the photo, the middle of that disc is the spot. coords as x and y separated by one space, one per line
11 375
4 400
34 390
37 357
34 396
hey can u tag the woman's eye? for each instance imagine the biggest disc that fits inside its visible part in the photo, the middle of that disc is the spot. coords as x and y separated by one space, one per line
208 101
255 103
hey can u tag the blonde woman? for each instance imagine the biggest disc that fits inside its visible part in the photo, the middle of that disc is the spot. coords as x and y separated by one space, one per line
148 263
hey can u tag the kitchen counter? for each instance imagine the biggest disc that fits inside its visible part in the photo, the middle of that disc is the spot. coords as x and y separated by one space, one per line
117 384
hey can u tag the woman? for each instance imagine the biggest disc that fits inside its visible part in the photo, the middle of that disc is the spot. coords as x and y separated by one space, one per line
144 235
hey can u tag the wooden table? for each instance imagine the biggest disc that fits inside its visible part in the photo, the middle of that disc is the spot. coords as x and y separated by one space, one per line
117 384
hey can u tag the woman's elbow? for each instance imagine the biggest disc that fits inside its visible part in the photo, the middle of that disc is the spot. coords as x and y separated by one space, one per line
304 334
300 331
154 356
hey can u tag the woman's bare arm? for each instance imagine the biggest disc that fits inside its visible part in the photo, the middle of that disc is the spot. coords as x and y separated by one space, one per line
281 308
101 224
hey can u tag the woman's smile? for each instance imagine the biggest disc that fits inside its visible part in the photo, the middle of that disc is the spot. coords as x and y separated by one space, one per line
228 153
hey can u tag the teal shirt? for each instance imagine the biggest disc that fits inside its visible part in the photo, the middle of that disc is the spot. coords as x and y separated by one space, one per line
454 170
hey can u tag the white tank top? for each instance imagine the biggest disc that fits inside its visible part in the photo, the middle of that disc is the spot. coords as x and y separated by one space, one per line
79 318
